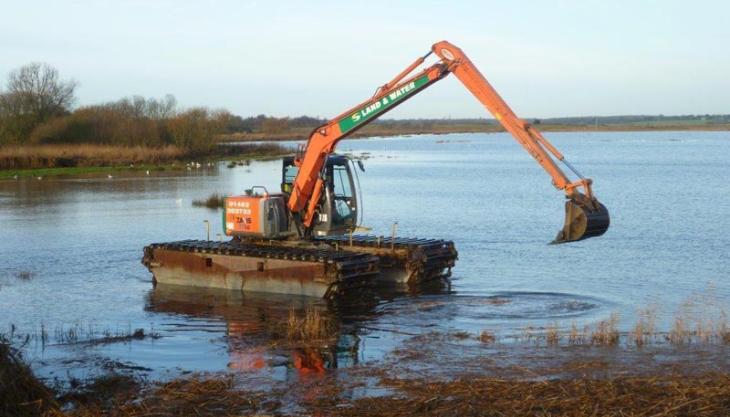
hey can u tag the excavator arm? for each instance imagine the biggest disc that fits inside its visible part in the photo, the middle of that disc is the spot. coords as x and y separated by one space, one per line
585 215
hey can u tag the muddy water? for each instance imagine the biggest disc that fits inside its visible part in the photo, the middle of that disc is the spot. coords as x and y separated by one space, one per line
80 241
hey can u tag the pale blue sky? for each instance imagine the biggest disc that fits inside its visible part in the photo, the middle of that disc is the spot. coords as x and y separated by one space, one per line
547 59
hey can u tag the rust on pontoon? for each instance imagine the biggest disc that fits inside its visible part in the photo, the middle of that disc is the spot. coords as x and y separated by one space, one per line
403 260
249 267
328 267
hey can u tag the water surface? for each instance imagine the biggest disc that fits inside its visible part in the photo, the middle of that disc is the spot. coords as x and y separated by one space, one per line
81 239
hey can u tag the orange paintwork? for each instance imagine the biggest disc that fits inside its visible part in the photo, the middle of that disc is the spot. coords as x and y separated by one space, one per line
242 214
307 185
308 361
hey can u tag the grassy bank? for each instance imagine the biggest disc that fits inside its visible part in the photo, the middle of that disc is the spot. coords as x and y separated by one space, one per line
55 160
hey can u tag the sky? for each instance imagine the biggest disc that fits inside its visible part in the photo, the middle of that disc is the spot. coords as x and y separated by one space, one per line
318 58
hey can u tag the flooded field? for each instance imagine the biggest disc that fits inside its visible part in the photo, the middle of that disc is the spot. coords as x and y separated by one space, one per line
74 294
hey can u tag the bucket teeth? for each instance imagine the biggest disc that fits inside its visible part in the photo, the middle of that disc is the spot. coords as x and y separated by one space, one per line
583 220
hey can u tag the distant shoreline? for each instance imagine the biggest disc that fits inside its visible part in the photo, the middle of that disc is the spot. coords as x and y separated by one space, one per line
39 161
52 160
446 129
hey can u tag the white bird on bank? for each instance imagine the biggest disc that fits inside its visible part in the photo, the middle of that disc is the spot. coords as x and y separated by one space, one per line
15 177
39 178
147 172
109 176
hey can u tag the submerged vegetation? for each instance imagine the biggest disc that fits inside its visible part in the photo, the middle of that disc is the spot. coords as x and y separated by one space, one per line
552 377
214 201
683 331
24 275
312 326
464 394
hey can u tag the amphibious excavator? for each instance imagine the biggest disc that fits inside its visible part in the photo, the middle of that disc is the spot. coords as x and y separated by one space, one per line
301 238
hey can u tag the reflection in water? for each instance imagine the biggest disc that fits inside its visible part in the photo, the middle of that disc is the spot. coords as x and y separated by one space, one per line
257 325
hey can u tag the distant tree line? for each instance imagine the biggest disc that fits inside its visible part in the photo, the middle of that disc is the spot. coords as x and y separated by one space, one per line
270 124
36 107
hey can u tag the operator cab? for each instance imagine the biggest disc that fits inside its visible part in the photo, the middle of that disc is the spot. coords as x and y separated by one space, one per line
337 212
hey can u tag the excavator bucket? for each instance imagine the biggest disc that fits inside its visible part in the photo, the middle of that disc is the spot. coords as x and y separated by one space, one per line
583 220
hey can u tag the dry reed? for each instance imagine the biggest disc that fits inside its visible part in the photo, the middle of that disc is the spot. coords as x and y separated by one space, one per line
606 333
24 275
723 332
679 334
644 330
191 396
21 394
625 396
214 201
552 336
65 156
312 327
487 337
576 336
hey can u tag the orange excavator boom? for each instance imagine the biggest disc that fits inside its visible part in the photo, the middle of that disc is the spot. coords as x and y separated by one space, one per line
585 216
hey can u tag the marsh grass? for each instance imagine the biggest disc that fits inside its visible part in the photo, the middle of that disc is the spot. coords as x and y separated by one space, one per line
460 335
606 332
723 331
69 159
24 275
21 394
527 335
705 329
487 337
670 396
577 336
312 327
644 331
78 334
214 201
552 335
67 156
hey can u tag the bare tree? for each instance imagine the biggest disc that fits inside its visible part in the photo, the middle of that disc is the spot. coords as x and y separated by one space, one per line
37 91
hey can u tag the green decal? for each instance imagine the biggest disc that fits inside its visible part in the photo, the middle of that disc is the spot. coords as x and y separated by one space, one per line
364 114
223 217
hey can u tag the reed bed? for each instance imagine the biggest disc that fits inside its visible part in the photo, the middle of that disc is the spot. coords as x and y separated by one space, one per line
309 328
214 201
684 330
67 156
19 157
77 334
628 396
487 337
606 333
24 275
21 394
194 396
666 396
